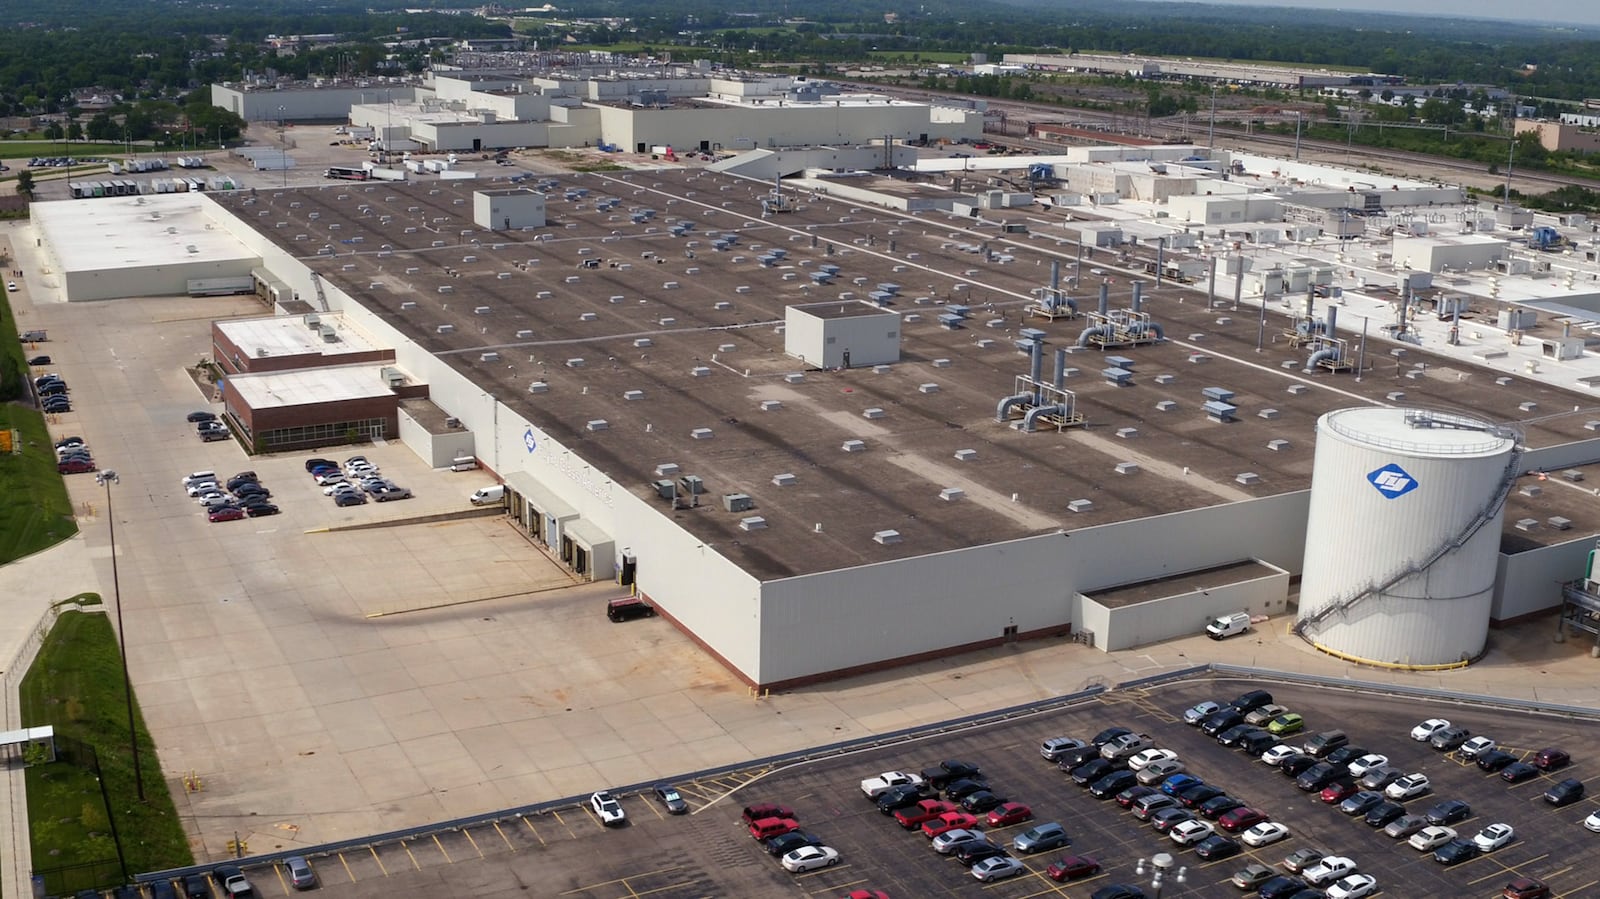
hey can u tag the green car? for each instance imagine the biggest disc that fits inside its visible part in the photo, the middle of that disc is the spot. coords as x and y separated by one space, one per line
1283 725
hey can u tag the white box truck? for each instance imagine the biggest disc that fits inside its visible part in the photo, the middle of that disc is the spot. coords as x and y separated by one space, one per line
1228 625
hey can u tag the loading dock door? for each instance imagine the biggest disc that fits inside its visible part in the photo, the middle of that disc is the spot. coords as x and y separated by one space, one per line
539 511
585 547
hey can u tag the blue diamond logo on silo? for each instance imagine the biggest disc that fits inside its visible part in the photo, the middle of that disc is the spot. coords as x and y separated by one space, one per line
1392 481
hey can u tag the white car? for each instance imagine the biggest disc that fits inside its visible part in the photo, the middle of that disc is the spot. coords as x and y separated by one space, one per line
1494 836
1278 754
1475 747
1593 821
877 786
328 477
1409 787
1191 832
1431 837
607 808
1328 870
201 487
1366 763
1264 833
11 287
997 867
333 487
1142 760
1353 887
1422 732
810 858
1193 716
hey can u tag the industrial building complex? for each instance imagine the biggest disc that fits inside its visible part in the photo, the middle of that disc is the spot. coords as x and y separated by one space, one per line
853 419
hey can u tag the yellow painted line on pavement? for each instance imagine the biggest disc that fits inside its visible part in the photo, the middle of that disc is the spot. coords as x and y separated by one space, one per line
535 830
468 834
414 863
278 870
670 886
442 851
503 836
621 880
348 873
381 866
1580 890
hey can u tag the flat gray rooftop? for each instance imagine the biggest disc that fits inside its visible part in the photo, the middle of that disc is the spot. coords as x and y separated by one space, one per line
660 344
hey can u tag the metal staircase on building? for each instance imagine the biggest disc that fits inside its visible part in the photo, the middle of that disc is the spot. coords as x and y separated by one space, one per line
1309 625
322 295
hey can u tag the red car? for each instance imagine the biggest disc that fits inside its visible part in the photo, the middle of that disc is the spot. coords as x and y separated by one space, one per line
867 894
1242 819
1009 813
75 466
947 822
1339 792
1071 867
227 513
921 813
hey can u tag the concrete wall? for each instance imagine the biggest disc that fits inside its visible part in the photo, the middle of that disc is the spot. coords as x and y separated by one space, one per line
1183 614
304 104
437 450
1530 581
772 125
149 280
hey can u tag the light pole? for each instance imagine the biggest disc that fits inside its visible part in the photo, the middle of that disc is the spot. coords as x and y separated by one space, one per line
283 141
1160 866
108 477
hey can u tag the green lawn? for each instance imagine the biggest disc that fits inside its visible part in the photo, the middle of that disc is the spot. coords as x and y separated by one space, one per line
76 685
75 149
34 509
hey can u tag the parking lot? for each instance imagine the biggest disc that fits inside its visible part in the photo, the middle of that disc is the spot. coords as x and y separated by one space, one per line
708 853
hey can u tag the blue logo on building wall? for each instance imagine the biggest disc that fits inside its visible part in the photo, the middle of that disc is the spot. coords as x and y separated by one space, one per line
528 441
1392 481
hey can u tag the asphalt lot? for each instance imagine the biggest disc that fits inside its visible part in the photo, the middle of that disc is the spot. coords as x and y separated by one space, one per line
708 853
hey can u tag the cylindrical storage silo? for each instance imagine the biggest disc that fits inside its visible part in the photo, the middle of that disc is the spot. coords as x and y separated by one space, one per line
1393 491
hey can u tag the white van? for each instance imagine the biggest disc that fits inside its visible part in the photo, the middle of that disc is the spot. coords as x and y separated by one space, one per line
199 476
1228 625
483 496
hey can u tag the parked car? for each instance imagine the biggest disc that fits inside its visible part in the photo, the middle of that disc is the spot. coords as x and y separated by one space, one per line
1517 772
1164 820
874 787
1216 847
1241 818
1133 794
949 770
1408 787
1301 859
349 499
1053 748
1381 814
1281 887
1143 759
810 858
74 466
1404 826
1009 813
1091 771
1221 721
231 880
1431 837
1265 833
976 851
1380 778
1450 739
785 843
1361 802
1362 765
671 799
1354 886
1177 783
1494 760
1109 734
961 789
299 872
201 415
981 802
1041 838
1475 747
1145 806
905 796
1278 754
1449 811
1252 876
1071 867
1217 806
1425 731
1286 724
914 816
1525 888
607 808
1456 851
260 510
953 839
1551 759
1157 772
948 822
1565 793
1494 836
226 513
1261 716
1329 869
997 867
1190 832
1113 783
1201 711
1323 743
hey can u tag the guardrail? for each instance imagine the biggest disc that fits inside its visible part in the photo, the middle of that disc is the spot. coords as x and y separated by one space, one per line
810 754
1450 696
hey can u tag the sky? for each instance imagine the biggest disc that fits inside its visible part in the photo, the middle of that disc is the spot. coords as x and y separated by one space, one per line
1562 12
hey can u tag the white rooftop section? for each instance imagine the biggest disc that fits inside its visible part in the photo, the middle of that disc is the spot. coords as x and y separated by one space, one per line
135 232
291 335
268 390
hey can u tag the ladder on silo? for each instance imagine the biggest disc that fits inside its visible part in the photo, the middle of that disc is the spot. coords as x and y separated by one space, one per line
1508 479
322 296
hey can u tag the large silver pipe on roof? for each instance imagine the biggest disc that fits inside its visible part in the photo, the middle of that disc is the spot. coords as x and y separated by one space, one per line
1061 367
1055 275
1138 295
1035 363
1333 320
1105 298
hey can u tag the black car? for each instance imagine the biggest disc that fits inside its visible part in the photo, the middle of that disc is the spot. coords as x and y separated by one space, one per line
259 510
949 770
162 889
1449 812
1107 735
1221 721
242 478
1072 758
1318 776
1281 887
1257 742
1564 793
1216 846
1517 772
349 499
1380 777
903 796
57 388
1196 796
1249 702
981 801
970 854
1118 891
1381 814
783 844
1128 797
1163 821
957 790
1456 851
1344 755
56 404
1361 802
197 417
1217 806
251 490
39 360
1296 765
195 887
65 442
1113 783
1092 770
1495 760
314 464
1234 734
1449 739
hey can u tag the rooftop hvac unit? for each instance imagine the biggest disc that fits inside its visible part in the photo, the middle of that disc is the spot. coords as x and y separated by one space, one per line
737 502
452 422
313 321
328 334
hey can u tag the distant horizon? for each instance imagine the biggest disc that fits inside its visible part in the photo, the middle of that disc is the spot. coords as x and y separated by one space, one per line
1574 13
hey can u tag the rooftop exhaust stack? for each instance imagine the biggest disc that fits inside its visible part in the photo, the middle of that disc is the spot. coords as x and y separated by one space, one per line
1061 367
1105 299
1035 362
1138 296
1055 275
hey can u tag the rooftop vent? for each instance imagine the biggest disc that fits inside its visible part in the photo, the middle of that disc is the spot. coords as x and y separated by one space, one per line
887 538
753 523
